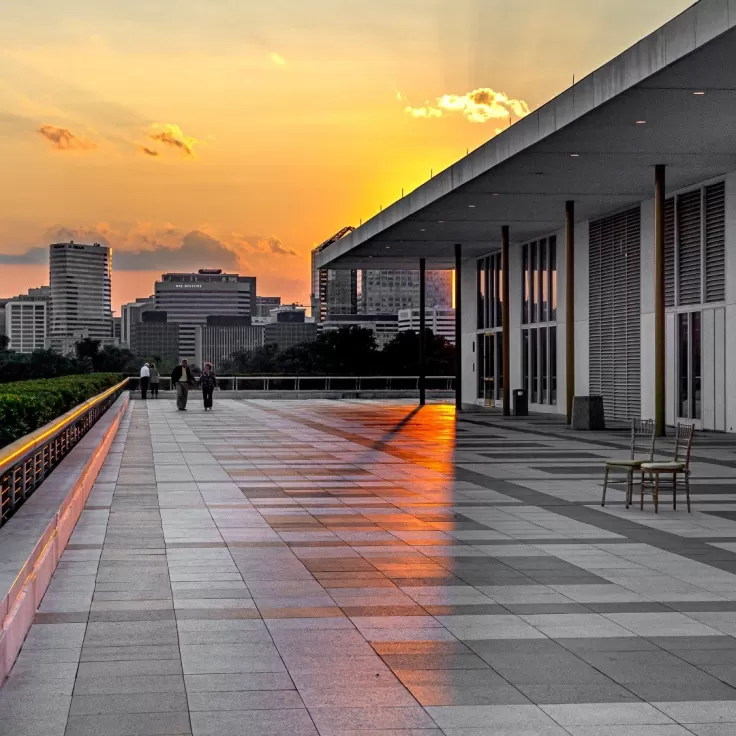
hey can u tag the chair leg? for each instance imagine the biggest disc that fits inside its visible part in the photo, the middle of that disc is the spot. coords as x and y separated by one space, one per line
687 490
656 493
605 486
674 491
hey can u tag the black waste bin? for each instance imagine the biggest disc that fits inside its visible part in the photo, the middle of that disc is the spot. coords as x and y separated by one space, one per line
520 403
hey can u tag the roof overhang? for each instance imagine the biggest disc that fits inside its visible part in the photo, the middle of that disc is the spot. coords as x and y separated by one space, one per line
585 145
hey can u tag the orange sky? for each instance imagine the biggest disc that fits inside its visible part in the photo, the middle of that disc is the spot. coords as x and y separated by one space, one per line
240 134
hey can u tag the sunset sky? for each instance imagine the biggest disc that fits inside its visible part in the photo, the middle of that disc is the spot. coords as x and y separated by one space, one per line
240 133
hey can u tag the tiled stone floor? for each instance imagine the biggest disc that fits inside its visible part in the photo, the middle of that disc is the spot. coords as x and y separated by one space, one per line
367 569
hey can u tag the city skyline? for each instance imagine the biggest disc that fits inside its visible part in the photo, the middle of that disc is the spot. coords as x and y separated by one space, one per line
176 171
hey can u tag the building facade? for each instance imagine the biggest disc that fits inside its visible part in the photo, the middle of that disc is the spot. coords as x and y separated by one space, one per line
155 336
440 320
27 320
131 313
264 305
80 283
387 291
288 328
216 342
189 298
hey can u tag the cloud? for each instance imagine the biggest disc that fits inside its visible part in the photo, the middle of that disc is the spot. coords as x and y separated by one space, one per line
147 151
63 139
477 106
172 136
263 244
277 58
33 256
276 246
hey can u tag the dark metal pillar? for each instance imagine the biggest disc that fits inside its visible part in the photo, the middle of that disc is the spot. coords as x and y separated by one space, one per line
569 307
458 329
422 332
659 324
505 320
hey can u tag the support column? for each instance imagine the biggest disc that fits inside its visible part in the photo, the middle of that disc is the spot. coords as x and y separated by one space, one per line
505 320
659 318
569 307
422 331
458 329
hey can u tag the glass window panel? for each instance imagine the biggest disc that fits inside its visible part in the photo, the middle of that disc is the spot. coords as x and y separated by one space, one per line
481 293
525 360
543 281
682 368
489 368
696 383
544 365
534 368
499 365
533 282
553 365
500 295
553 279
525 284
481 368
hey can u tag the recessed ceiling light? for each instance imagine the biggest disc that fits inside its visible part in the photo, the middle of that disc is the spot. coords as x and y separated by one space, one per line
495 194
424 230
699 93
472 206
641 122
441 222
574 155
388 247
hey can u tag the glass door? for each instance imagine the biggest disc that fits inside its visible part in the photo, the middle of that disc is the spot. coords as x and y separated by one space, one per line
492 367
689 366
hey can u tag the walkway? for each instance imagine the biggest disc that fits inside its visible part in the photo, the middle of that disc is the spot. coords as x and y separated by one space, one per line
364 569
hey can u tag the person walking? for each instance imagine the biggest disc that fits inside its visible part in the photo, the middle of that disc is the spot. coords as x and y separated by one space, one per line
154 381
182 378
207 381
145 377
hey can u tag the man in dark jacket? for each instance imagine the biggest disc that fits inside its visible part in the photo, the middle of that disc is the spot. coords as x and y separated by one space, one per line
182 378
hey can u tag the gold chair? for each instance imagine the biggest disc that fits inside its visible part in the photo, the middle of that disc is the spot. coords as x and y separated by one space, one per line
642 443
679 465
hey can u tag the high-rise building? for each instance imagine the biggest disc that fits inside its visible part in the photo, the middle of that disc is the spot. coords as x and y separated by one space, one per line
27 320
440 320
264 305
222 336
189 298
333 292
289 328
117 325
388 291
80 277
131 313
154 336
385 327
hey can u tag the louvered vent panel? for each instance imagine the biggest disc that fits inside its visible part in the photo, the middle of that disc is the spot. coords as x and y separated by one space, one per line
615 313
689 257
715 243
669 253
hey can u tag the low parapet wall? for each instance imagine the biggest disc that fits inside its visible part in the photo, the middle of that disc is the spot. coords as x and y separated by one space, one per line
32 542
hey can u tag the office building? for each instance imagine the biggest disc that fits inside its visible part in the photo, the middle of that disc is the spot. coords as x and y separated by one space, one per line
131 313
264 305
438 319
333 292
80 280
26 320
385 327
571 249
155 337
3 302
116 329
223 336
289 328
386 291
189 298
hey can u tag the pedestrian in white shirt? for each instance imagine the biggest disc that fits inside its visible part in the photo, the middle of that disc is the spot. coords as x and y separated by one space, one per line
145 378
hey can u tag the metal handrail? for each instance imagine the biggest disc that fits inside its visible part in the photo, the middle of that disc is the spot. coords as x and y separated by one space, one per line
25 463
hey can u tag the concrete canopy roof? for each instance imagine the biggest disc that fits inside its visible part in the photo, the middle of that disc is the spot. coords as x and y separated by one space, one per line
584 145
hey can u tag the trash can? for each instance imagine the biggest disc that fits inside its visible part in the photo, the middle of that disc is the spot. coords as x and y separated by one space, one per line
520 403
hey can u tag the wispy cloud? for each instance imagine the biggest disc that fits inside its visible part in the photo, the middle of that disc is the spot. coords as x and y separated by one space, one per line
477 106
148 151
172 136
62 139
263 244
277 58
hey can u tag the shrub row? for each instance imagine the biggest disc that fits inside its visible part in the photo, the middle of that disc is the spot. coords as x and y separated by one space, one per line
27 405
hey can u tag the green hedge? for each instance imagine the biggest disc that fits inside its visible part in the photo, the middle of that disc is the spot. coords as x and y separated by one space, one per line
28 405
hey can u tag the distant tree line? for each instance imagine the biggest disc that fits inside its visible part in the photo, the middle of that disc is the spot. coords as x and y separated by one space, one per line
349 351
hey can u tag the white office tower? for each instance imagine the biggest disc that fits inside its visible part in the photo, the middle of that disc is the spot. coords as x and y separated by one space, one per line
190 298
440 320
80 293
26 320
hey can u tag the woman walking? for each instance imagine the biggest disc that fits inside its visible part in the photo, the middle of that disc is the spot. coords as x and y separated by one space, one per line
208 382
154 380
